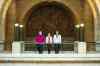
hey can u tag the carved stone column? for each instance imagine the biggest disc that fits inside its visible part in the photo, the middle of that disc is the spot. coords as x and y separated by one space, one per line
9 26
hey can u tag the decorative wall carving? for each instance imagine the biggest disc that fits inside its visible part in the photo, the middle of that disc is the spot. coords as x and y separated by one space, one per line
50 17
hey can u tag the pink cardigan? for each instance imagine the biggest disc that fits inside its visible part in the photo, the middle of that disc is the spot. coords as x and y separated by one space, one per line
40 39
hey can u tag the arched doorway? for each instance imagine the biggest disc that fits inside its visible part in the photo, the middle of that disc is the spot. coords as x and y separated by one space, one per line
49 17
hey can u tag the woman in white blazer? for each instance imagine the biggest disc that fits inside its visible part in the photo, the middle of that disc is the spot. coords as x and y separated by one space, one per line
57 40
49 42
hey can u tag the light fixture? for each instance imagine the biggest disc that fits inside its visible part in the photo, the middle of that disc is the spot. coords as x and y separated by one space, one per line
21 26
77 26
81 25
16 25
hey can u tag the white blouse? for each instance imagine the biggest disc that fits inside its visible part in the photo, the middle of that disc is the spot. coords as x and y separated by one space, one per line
57 39
49 40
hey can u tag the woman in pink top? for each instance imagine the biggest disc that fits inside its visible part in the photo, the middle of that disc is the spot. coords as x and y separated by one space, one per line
49 42
40 41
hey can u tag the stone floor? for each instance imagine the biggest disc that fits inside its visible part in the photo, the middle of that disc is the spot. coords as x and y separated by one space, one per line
66 59
69 56
63 64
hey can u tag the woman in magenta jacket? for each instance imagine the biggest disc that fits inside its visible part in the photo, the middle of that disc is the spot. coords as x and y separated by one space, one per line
40 41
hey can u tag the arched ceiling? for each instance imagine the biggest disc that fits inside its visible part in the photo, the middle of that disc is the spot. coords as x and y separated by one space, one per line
7 3
30 5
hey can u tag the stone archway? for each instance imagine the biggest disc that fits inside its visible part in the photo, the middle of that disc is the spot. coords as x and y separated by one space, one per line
74 9
49 17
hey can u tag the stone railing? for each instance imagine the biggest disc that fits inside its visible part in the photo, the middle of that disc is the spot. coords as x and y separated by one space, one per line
1 46
29 46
